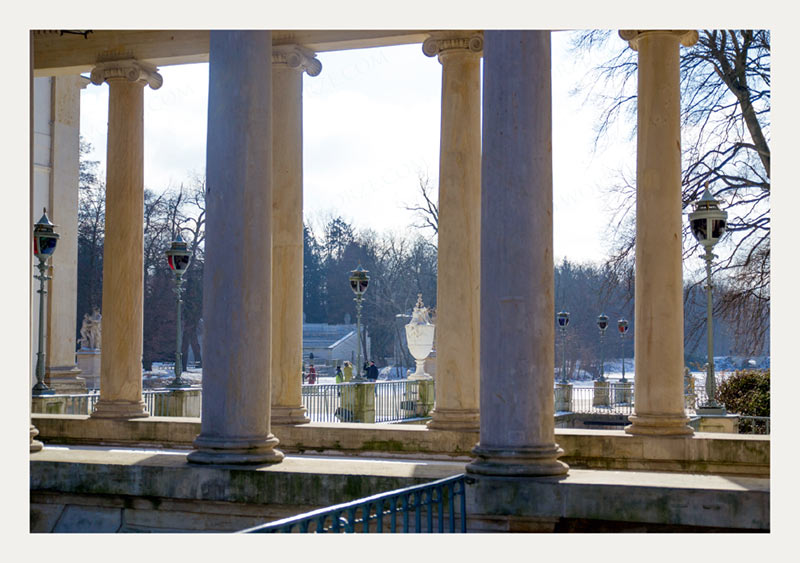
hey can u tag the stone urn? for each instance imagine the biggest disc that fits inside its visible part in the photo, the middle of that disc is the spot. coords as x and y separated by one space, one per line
419 334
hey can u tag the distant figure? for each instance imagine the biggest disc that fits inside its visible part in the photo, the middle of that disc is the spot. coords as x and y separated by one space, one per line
348 372
312 374
372 372
85 340
91 331
339 375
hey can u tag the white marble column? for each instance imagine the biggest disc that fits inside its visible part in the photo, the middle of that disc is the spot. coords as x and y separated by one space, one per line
62 374
288 64
123 276
235 420
658 330
458 299
517 305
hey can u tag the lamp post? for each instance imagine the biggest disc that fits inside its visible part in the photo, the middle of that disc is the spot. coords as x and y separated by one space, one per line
563 321
622 326
178 258
708 223
44 244
359 280
602 324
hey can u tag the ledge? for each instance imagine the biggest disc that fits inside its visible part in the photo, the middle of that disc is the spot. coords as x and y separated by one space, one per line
91 489
620 501
592 449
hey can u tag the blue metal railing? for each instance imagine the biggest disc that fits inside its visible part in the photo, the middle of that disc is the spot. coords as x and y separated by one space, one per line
380 513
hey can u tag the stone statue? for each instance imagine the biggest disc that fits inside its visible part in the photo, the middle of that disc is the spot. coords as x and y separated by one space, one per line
90 330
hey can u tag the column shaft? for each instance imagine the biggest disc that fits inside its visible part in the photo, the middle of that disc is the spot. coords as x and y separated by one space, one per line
236 284
287 245
63 208
123 281
458 298
517 304
658 330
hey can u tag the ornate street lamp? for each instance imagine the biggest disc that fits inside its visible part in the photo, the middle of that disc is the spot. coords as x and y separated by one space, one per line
178 258
708 223
622 326
563 321
359 280
44 244
602 324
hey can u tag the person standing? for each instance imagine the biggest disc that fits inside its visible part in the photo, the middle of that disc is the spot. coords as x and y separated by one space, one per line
372 371
339 375
312 374
348 372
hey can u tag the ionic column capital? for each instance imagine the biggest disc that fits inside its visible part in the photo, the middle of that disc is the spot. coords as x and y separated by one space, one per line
129 69
297 58
445 43
686 37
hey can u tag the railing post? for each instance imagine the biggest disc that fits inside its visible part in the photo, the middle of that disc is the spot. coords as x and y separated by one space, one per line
365 402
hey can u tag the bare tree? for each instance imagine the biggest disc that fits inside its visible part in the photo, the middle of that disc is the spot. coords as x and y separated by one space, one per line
91 234
725 104
426 212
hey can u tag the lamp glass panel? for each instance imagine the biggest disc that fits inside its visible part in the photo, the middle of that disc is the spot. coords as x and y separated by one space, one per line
46 245
179 262
699 229
718 228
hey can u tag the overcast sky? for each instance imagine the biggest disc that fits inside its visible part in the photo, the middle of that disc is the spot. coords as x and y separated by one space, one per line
371 126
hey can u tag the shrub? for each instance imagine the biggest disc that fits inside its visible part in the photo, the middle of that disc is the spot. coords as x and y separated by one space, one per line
746 392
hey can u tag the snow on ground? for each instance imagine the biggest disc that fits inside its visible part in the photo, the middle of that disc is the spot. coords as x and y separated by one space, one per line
163 372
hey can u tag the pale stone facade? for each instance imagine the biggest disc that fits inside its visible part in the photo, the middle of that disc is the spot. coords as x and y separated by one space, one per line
61 372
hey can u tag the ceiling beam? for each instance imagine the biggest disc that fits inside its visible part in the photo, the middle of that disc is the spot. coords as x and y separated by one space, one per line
55 53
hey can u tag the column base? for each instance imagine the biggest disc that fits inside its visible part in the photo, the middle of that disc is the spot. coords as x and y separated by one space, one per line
467 420
108 408
538 461
36 445
659 425
289 415
65 380
233 451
